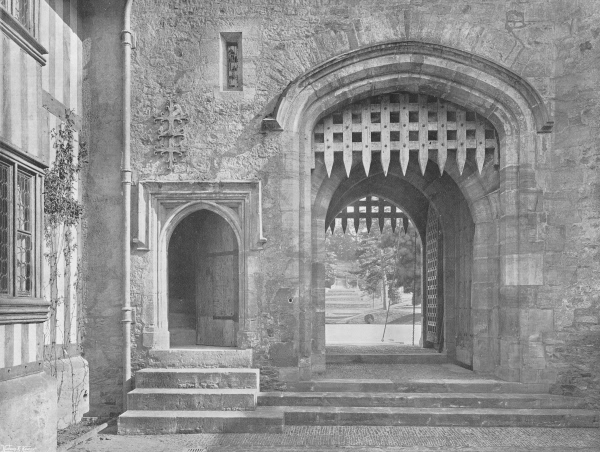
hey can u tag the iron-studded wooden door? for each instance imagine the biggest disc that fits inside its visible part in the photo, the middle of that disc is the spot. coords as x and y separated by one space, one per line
217 283
434 281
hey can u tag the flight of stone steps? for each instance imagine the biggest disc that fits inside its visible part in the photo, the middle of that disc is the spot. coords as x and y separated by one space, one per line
171 398
342 302
198 391
474 403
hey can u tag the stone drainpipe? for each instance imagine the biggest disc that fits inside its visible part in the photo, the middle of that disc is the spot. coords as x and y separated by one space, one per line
127 42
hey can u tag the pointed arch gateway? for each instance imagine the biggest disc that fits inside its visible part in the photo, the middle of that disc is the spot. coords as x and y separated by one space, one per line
479 209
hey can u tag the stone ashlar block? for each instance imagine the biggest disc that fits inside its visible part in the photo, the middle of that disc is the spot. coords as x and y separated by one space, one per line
72 376
534 355
192 399
28 414
476 417
264 420
534 322
201 358
197 378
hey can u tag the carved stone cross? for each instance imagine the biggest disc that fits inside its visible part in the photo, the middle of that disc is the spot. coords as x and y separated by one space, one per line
170 151
171 134
174 116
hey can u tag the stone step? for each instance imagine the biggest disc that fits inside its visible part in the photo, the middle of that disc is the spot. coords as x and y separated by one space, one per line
219 357
420 400
192 399
423 385
227 378
383 358
263 420
465 417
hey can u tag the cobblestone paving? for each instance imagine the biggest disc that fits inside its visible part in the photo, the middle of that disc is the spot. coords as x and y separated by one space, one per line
358 439
388 349
399 372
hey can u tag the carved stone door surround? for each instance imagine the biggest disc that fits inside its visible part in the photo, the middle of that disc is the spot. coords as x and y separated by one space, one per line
158 209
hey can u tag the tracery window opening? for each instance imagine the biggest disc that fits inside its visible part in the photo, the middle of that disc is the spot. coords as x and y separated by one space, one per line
413 125
24 11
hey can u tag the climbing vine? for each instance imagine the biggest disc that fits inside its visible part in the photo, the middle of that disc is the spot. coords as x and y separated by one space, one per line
62 213
61 208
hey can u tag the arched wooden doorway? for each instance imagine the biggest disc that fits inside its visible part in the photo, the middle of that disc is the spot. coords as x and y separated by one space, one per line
203 273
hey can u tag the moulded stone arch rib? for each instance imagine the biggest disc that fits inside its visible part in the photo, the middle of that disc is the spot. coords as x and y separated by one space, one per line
417 51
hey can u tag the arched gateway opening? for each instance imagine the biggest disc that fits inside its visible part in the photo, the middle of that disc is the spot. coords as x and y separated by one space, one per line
412 149
203 274
479 192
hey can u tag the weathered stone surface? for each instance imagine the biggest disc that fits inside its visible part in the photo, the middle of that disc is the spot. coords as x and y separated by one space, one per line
488 417
420 400
201 358
170 399
197 378
28 415
263 420
381 358
73 382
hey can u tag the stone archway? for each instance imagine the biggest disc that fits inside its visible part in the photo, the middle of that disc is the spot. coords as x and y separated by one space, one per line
503 258
416 194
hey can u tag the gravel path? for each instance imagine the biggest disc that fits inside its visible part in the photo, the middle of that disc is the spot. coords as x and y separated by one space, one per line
358 439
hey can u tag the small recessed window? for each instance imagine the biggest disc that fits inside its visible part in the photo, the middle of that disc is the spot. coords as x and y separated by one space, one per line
338 118
394 136
319 138
231 44
356 118
470 116
451 135
375 100
490 134
413 135
395 117
432 116
356 137
413 98
376 137
395 98
432 135
338 137
375 117
470 134
413 116
451 116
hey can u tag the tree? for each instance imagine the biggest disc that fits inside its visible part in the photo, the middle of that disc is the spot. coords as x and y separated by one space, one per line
387 260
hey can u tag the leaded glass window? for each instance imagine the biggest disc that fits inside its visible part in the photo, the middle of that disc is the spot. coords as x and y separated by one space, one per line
24 233
4 227
19 195
23 11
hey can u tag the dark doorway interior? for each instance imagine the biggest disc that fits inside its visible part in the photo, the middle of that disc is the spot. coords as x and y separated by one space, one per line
203 282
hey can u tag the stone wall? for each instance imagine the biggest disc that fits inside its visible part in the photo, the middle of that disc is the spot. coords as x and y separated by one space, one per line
553 45
28 415
103 220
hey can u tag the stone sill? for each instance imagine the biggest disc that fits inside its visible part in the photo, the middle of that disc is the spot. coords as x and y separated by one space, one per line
23 310
19 34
